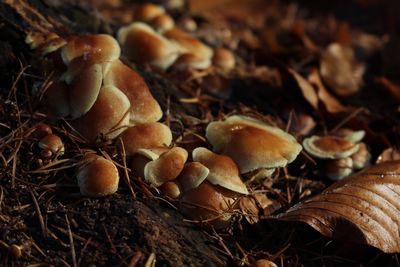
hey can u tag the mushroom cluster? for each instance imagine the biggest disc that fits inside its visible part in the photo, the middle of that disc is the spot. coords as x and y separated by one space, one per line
50 145
340 153
154 38
105 99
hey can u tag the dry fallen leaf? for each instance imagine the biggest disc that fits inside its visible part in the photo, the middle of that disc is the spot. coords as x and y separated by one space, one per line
315 93
363 208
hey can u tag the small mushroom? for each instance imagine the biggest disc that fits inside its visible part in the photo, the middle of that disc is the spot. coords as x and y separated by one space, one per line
142 44
329 147
97 176
41 130
148 11
222 170
189 44
144 108
108 116
144 156
190 61
224 59
350 135
252 144
171 189
146 135
361 159
84 90
337 169
53 143
192 175
162 23
167 167
102 47
208 202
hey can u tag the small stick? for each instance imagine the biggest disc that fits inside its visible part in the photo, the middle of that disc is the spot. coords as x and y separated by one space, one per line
71 242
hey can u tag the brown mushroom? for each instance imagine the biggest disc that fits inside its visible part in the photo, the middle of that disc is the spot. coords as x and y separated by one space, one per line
224 59
52 143
162 23
144 108
146 135
108 116
252 144
222 170
167 167
97 176
209 203
329 147
192 175
142 44
148 11
102 47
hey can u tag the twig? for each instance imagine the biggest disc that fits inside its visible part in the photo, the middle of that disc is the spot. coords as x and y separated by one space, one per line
71 242
39 213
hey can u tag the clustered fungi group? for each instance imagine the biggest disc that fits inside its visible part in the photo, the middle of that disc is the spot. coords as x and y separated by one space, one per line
104 98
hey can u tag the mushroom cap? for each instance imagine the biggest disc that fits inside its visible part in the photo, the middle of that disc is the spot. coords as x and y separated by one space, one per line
162 23
46 43
53 143
350 135
329 147
223 170
142 44
192 175
84 89
189 44
208 202
337 169
252 144
361 159
167 167
41 130
97 177
191 61
171 189
108 115
99 47
224 59
148 11
144 108
56 98
146 135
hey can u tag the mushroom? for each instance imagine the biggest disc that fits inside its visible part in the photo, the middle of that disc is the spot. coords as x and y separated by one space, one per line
224 59
56 98
148 11
146 135
144 156
108 116
252 144
162 23
350 135
167 167
171 189
192 175
208 202
329 147
84 90
189 44
97 48
97 176
191 61
222 170
144 108
142 44
41 130
337 169
52 143
361 159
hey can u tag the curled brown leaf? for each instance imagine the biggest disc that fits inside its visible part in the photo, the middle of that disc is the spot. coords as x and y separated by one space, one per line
363 208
